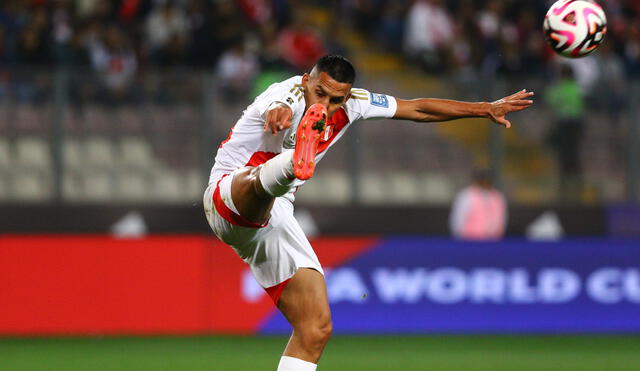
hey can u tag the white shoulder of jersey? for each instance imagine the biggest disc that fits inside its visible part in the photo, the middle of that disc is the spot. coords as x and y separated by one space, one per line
288 92
364 105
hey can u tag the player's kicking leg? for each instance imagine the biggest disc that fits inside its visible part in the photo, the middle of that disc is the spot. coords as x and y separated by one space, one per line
254 189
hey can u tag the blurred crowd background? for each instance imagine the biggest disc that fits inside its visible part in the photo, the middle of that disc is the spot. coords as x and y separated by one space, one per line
242 38
127 99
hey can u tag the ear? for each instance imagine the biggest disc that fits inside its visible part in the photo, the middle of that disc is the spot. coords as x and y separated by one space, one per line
305 80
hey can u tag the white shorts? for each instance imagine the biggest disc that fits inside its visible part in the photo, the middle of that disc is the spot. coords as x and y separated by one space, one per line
274 251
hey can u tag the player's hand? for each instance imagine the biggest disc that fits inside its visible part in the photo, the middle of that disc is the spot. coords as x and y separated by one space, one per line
278 118
513 103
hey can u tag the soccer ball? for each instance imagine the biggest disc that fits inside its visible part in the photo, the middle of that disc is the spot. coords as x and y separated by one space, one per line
575 28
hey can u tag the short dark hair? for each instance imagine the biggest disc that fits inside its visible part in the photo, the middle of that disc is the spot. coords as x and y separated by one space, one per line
338 67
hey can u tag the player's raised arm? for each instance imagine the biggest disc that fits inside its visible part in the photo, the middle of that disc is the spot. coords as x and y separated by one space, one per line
278 118
438 110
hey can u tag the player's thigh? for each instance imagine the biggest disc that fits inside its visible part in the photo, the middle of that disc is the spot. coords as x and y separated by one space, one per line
304 299
249 197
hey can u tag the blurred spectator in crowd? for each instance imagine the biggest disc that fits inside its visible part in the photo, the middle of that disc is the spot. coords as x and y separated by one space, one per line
479 211
611 91
631 47
33 55
235 72
566 100
271 59
257 11
61 29
115 61
531 40
366 14
491 25
273 68
4 62
174 53
300 45
103 11
166 23
283 12
88 8
33 48
13 16
227 26
130 11
467 47
391 25
520 45
428 35
4 47
200 48
489 22
82 89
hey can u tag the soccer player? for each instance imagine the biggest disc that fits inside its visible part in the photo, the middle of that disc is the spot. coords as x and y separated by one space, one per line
271 151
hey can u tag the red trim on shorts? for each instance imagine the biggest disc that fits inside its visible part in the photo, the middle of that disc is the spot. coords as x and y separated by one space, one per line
258 158
228 214
275 291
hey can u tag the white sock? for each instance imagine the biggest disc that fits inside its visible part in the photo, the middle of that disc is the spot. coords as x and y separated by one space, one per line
276 175
295 364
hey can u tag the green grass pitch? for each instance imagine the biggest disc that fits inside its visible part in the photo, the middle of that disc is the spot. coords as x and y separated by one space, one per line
342 353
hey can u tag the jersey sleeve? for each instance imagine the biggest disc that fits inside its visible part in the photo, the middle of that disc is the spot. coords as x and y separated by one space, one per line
364 105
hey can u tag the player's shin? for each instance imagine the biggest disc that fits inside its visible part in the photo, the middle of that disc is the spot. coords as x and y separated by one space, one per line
295 364
276 175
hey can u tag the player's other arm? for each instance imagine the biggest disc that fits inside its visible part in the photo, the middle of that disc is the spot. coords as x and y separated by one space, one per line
277 117
278 106
438 110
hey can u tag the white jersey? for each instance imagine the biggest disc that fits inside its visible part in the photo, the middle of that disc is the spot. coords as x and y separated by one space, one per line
249 145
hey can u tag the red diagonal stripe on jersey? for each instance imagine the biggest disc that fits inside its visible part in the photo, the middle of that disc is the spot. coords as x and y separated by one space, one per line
336 123
259 158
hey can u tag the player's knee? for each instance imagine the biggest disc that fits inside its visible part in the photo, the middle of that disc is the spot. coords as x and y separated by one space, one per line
324 326
325 331
317 334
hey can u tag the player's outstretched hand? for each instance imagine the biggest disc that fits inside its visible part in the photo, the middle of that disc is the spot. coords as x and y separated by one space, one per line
278 118
515 102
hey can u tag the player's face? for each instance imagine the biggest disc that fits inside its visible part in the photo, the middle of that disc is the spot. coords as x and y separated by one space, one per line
322 88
